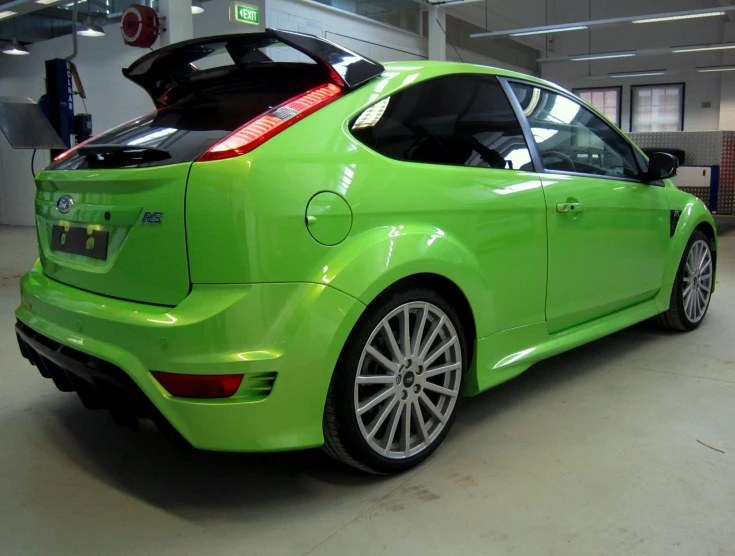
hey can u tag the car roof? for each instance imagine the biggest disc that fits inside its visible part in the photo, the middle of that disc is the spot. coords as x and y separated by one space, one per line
435 68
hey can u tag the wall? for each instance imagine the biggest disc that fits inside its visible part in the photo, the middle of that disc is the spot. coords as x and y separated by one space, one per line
700 87
113 99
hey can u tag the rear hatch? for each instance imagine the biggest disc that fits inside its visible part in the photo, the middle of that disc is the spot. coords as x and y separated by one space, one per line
111 212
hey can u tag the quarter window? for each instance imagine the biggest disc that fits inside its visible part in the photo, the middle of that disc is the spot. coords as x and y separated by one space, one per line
571 138
456 120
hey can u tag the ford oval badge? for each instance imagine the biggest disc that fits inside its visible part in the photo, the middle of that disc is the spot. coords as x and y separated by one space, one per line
64 204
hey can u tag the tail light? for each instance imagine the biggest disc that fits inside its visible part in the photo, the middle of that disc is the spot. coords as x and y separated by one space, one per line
258 131
199 386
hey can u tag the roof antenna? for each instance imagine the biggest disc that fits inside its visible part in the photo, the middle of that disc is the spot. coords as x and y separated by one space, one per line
450 40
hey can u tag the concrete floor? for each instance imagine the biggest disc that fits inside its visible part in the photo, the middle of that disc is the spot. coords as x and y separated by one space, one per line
593 452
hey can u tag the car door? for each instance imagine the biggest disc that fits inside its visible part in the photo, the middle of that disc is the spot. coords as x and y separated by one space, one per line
455 142
607 229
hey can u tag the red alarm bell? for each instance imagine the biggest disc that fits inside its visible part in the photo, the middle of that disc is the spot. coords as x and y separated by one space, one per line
140 26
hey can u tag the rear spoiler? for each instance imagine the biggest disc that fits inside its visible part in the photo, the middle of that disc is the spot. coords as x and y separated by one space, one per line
168 67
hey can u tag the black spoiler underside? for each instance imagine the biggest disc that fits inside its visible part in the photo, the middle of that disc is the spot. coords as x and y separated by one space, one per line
175 65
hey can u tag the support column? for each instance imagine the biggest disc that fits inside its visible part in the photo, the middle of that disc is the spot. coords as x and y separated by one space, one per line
179 25
727 83
437 38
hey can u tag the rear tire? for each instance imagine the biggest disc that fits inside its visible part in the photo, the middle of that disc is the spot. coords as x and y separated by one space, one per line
692 292
398 384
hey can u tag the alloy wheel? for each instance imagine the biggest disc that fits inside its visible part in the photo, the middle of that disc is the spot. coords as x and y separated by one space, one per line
697 282
408 380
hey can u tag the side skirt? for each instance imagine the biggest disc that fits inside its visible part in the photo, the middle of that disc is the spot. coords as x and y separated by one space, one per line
507 354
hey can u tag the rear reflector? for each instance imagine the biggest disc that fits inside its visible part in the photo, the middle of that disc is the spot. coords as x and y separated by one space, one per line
199 386
258 131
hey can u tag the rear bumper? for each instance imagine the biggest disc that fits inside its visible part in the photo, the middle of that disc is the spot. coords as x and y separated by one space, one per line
285 339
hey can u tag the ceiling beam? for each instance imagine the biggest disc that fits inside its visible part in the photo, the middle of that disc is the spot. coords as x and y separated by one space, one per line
581 25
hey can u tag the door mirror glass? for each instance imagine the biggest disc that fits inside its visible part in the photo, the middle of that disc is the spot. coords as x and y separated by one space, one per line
662 166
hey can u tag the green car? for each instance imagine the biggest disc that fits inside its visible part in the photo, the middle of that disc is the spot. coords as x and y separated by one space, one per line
301 247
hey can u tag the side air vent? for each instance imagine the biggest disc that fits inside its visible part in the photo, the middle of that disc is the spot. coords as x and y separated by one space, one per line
258 385
675 216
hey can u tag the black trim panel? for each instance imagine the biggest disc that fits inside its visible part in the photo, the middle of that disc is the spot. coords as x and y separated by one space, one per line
99 384
538 164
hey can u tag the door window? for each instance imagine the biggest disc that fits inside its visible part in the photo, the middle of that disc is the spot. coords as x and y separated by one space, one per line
456 120
571 138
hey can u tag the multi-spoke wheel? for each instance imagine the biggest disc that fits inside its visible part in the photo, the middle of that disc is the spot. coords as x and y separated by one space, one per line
692 291
399 382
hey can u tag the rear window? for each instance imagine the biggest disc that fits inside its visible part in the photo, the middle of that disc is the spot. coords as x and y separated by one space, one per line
455 120
202 116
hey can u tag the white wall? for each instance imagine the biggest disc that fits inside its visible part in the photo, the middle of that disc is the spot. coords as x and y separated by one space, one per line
112 99
700 87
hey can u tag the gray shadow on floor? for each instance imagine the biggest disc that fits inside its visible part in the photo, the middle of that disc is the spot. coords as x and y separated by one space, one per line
194 484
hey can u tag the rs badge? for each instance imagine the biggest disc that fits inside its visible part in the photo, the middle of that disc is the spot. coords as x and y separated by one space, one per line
152 217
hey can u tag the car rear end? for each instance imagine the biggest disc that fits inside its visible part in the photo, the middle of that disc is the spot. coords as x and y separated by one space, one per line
115 309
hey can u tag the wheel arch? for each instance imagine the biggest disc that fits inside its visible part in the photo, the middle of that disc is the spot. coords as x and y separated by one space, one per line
371 264
453 293
694 216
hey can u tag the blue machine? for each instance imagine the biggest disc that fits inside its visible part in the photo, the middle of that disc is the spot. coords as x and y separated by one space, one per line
59 101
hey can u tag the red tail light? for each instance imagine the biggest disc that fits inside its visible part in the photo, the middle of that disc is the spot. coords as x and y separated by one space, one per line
258 131
199 386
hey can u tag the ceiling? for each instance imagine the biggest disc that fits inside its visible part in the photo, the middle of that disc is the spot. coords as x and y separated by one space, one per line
39 22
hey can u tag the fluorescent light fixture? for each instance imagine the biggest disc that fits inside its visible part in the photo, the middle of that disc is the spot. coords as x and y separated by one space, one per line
196 7
15 49
679 17
638 73
547 30
7 13
703 47
90 29
708 69
46 2
602 56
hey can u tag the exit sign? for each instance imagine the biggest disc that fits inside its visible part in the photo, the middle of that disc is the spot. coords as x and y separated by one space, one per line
242 13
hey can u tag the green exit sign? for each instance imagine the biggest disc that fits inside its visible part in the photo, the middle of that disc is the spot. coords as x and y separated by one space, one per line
242 13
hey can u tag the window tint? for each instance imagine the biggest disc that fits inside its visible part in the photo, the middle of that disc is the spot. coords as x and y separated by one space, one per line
571 138
457 120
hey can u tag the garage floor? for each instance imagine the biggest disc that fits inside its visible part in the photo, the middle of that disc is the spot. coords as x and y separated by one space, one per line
594 452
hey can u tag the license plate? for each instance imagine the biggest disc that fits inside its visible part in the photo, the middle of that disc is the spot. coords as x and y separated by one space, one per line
80 241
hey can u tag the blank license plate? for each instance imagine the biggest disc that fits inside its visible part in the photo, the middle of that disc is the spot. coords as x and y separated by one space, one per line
79 241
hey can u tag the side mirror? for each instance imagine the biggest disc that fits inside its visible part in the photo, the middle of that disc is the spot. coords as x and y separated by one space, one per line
661 166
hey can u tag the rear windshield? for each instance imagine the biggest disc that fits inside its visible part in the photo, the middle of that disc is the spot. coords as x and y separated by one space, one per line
204 114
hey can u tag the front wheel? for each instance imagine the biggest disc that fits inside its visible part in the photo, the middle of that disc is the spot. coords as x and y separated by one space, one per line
398 384
693 286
